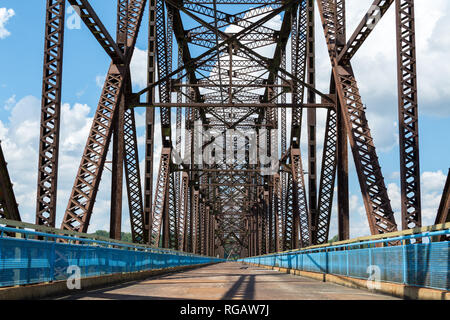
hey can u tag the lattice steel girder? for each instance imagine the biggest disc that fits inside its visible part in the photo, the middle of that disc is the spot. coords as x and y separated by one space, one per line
327 180
130 14
118 139
118 154
84 191
298 66
81 201
234 39
164 66
366 26
184 207
374 192
312 122
300 198
375 196
8 205
170 217
150 121
253 55
161 192
98 30
443 215
191 63
238 105
132 174
50 114
408 115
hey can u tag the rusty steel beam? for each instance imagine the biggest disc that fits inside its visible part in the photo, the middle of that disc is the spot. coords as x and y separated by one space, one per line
408 113
150 122
323 105
311 120
443 215
84 192
8 204
327 180
133 179
87 181
47 184
118 153
230 206
373 189
98 30
129 17
159 211
364 29
118 147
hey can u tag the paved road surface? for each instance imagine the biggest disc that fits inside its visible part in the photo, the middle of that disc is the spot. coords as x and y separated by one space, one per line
228 281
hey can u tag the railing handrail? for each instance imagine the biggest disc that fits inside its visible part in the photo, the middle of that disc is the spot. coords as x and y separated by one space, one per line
82 237
431 231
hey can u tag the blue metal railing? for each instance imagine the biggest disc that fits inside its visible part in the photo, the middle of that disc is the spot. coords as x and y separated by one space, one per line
420 264
39 257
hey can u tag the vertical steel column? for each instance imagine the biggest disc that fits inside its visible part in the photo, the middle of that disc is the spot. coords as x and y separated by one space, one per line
159 204
328 175
311 119
376 200
87 181
133 179
117 172
118 134
408 114
343 206
342 135
50 114
150 121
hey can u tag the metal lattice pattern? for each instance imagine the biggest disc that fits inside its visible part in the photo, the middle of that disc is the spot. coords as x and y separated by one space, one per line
226 62
132 173
408 116
85 188
51 113
327 179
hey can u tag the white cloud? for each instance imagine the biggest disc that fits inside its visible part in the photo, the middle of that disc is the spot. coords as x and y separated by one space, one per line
5 15
138 68
433 181
375 64
100 80
432 186
10 102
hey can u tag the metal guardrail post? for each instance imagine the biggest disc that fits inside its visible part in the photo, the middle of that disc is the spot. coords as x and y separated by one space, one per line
404 263
52 261
348 264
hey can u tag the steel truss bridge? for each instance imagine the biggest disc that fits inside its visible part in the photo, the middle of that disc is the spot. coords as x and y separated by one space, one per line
224 66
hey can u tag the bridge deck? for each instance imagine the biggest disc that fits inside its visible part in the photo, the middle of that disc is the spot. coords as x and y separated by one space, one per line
228 281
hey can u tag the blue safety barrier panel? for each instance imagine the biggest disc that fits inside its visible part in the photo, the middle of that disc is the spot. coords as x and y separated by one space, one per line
420 264
31 261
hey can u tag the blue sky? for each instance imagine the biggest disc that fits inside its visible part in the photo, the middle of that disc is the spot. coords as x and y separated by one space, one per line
85 64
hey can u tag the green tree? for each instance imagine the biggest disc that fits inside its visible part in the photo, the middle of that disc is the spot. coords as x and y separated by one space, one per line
125 236
334 239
